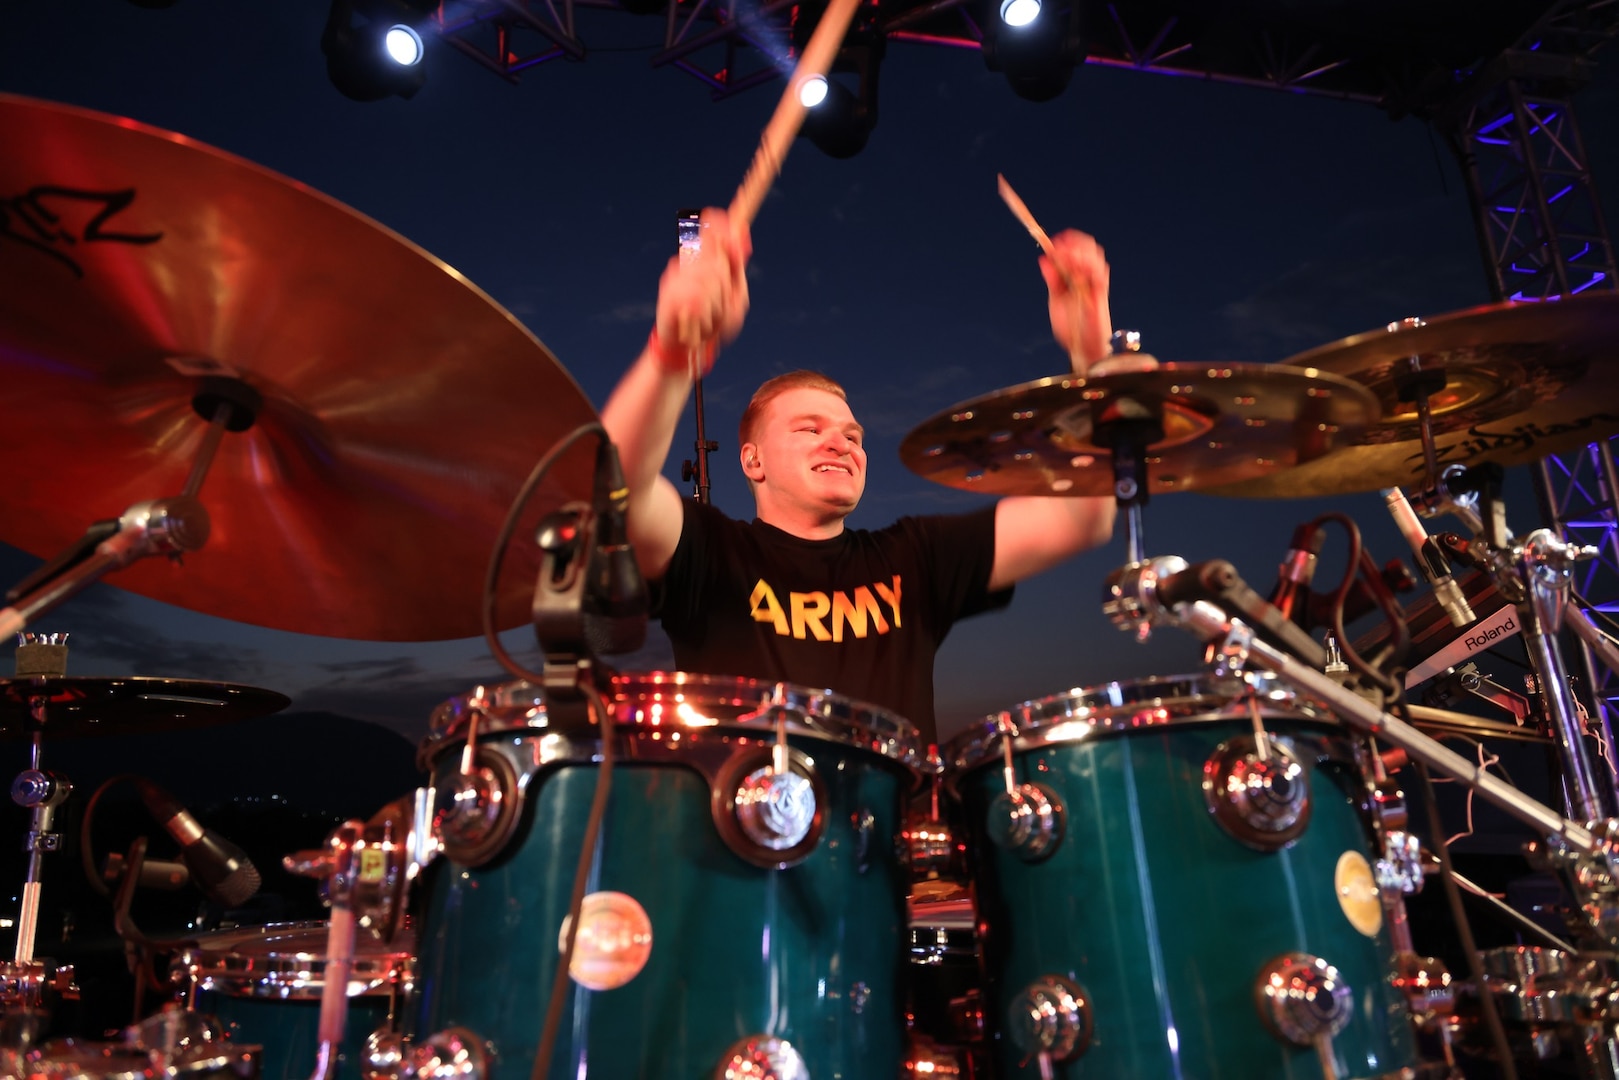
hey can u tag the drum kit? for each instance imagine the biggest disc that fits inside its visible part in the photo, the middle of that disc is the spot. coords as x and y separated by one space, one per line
669 874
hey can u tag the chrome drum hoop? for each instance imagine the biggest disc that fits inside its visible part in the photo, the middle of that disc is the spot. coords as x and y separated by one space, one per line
676 702
287 962
1124 706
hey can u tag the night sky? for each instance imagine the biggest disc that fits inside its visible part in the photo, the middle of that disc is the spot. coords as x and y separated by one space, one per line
1242 225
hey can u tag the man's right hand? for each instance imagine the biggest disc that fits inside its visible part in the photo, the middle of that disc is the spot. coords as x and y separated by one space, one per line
703 299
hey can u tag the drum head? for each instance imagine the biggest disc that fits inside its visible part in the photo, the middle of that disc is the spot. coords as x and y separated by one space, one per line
1127 706
670 701
288 961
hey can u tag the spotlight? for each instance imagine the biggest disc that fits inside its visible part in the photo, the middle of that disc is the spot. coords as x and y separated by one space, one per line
404 45
372 50
1019 12
1036 49
840 123
813 92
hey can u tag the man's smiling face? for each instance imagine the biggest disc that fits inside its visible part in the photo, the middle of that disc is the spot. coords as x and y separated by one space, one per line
809 461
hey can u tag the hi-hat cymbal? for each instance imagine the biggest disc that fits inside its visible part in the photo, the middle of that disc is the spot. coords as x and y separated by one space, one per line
1521 381
402 407
130 705
1222 423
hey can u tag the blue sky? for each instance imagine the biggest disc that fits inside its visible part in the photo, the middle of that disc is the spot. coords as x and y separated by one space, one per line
1242 225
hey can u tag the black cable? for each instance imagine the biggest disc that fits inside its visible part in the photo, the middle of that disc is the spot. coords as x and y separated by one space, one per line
491 579
1464 930
581 878
86 854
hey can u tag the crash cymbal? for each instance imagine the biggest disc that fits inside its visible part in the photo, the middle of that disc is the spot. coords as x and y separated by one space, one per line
1521 381
131 705
402 407
1441 722
1222 423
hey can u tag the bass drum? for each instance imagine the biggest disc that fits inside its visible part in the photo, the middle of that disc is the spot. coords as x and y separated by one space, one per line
1159 905
734 919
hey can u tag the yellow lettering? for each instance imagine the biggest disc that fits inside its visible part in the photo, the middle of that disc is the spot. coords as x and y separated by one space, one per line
808 610
855 613
766 608
891 596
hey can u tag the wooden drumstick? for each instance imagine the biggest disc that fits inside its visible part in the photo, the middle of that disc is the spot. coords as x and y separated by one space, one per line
789 115
1080 290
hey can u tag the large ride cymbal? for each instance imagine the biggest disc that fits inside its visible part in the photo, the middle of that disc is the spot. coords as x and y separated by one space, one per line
1222 423
1521 381
402 407
69 706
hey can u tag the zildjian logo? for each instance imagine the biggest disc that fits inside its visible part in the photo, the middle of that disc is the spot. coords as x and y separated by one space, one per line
35 219
1481 441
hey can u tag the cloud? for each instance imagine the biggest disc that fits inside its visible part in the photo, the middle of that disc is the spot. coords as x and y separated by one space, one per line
635 311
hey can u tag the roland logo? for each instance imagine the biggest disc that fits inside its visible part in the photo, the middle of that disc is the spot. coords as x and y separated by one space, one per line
1491 633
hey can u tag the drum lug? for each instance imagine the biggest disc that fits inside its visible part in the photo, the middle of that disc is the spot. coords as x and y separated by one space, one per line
762 1057
771 820
385 1054
1425 984
476 812
1052 1016
1303 999
1263 802
1027 821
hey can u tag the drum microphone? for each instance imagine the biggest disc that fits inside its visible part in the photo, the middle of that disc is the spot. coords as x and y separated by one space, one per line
1297 571
220 868
1430 560
615 602
1218 582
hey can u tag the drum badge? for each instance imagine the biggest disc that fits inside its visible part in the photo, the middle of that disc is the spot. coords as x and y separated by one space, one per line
613 943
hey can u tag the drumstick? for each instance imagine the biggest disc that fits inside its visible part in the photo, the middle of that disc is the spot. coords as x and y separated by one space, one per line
789 115
1021 212
1081 291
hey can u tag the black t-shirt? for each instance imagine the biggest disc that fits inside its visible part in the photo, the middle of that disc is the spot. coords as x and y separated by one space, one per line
861 614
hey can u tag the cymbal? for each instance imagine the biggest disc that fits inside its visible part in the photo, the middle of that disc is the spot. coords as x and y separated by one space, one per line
1439 722
1222 423
128 705
402 407
1521 381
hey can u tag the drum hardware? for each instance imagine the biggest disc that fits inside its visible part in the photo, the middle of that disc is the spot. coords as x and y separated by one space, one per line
927 843
1304 1001
1258 791
476 810
1028 819
926 1059
769 816
1050 1020
762 1057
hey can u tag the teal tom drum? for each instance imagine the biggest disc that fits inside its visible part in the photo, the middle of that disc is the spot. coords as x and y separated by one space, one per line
1163 900
735 919
264 984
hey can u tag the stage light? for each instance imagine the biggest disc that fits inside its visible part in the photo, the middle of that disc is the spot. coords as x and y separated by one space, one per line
404 45
1038 55
372 49
1019 12
840 124
813 92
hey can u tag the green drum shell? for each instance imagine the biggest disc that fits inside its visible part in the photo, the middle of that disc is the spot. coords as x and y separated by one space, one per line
1163 918
812 954
264 985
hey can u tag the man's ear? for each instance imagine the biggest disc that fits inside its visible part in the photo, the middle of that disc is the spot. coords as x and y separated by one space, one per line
752 467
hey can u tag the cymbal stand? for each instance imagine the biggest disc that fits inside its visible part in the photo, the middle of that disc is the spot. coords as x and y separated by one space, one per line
168 526
25 981
1127 426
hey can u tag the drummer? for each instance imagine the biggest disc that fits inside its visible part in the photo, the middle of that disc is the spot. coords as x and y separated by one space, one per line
794 595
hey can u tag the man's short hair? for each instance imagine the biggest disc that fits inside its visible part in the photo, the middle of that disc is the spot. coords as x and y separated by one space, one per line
774 388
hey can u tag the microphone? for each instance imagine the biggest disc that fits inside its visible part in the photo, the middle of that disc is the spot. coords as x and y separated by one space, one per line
1298 570
615 603
220 868
1218 582
1431 562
